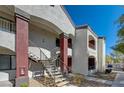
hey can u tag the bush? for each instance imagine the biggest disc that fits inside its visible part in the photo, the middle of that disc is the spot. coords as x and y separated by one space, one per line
24 85
77 79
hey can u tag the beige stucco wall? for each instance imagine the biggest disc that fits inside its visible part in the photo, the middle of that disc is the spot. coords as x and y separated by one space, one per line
7 13
93 52
80 63
7 40
7 75
82 51
42 39
101 55
54 15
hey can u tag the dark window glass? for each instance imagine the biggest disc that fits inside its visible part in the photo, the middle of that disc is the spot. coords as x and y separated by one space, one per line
7 62
70 43
57 42
4 62
13 62
91 63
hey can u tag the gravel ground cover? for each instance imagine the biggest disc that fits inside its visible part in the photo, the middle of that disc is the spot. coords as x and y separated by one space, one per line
110 76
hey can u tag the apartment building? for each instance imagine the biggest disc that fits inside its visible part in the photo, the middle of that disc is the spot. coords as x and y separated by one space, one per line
33 37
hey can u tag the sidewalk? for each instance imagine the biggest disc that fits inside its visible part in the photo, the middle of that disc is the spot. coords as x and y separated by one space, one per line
108 82
119 80
6 84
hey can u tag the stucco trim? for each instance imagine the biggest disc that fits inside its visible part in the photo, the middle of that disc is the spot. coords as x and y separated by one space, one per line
21 13
86 26
67 14
64 35
101 38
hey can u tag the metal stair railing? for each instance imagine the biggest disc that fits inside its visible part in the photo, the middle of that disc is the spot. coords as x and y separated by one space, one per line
45 64
41 52
55 49
63 64
65 74
49 62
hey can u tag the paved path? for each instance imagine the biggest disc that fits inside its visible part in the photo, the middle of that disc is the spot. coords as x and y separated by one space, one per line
119 80
108 82
5 84
34 83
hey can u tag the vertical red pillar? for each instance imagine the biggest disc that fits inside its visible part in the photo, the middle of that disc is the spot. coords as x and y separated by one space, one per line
21 50
64 51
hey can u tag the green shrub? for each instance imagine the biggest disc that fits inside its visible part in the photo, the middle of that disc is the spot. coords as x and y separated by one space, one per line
24 85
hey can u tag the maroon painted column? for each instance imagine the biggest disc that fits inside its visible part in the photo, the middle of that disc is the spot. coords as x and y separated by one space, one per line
21 50
64 51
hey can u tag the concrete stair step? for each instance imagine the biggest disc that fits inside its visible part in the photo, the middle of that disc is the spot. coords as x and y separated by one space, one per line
59 76
62 83
54 71
57 73
52 64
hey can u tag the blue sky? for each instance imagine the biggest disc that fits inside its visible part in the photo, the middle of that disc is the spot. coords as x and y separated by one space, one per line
100 18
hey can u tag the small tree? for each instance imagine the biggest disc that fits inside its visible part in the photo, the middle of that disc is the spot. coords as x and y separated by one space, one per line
120 43
108 59
116 56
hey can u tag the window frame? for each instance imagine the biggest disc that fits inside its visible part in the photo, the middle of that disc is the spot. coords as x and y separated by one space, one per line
10 62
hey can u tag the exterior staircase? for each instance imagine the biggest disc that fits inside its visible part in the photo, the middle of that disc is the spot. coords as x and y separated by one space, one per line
56 77
59 79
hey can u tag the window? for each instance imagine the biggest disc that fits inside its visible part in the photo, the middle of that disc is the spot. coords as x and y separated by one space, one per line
57 42
7 62
13 62
92 42
70 43
7 25
91 63
4 62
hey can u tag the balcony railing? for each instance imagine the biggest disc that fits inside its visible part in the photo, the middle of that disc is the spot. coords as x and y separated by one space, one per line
7 25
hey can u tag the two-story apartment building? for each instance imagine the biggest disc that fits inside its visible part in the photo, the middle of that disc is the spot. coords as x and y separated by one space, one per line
89 51
31 35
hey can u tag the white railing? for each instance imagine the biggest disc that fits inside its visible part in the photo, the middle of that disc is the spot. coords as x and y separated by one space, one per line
7 25
42 55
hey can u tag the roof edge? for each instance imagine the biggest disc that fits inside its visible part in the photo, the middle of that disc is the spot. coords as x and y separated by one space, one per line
86 26
68 15
101 37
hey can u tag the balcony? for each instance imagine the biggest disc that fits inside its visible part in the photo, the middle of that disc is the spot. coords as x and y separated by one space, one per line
92 42
7 34
92 46
7 25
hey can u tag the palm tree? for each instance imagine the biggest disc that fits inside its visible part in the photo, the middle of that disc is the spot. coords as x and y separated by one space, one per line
116 56
120 43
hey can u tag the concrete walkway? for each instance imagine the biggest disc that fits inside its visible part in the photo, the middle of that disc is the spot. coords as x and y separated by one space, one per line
6 84
119 80
108 82
34 83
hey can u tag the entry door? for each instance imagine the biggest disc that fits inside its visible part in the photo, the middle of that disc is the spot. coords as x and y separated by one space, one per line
91 63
